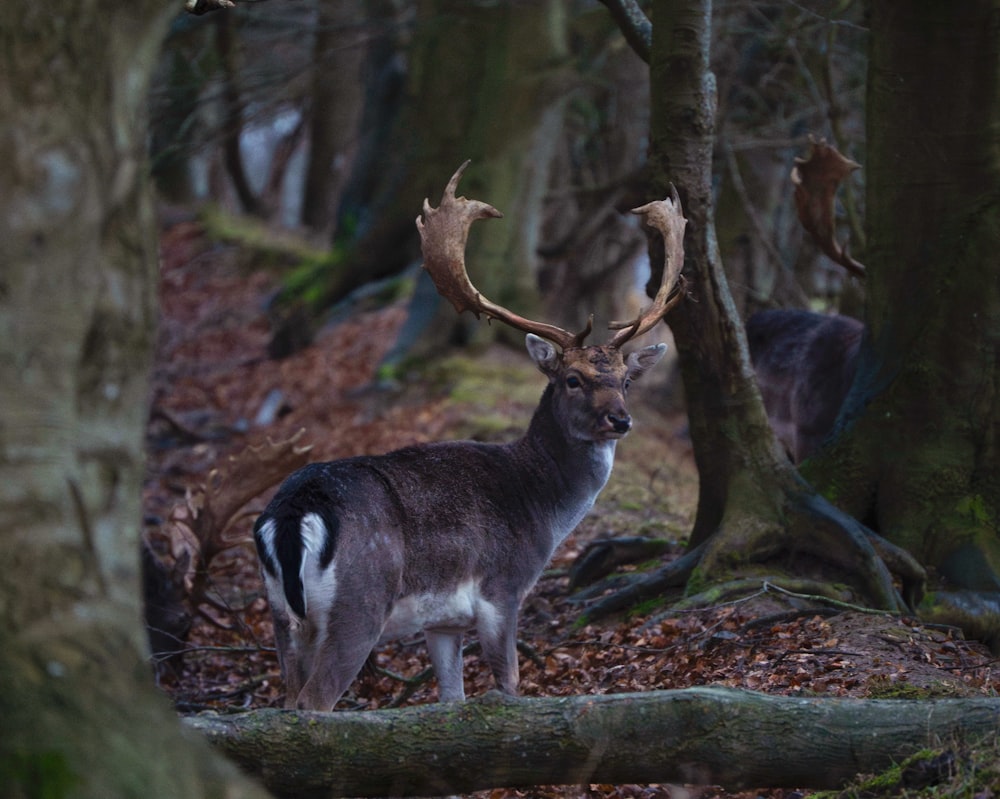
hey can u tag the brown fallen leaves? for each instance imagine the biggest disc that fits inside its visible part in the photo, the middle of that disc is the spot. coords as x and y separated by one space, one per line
210 382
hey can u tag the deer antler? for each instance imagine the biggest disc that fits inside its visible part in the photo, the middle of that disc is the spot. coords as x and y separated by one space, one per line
667 217
816 179
443 234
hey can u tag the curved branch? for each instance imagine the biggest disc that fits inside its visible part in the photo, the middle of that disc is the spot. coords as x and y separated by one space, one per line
199 7
634 25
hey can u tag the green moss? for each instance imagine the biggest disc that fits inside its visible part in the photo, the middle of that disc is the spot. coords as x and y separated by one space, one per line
658 528
257 238
696 582
484 381
881 687
958 770
648 607
38 775
975 508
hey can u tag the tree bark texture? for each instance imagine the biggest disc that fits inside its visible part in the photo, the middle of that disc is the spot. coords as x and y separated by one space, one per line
337 99
79 715
714 736
729 427
919 453
487 83
754 510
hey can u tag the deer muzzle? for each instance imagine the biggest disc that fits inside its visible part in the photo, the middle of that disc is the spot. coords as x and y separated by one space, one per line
620 423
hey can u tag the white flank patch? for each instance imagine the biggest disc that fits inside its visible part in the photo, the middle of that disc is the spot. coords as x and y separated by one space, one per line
487 619
457 609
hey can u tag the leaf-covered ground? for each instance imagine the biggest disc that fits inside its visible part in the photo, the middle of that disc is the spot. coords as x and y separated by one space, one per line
216 393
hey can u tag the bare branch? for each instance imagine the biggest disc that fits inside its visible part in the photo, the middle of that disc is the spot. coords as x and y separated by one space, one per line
199 7
634 25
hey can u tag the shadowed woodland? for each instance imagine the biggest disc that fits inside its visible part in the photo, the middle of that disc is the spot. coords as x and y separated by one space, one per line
790 580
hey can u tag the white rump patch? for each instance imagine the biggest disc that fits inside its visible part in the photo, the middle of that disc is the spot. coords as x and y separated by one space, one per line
266 534
272 583
313 533
319 585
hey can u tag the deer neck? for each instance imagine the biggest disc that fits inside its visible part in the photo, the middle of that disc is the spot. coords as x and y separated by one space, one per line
565 473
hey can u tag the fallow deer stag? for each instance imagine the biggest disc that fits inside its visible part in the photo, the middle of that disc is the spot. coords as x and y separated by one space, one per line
450 536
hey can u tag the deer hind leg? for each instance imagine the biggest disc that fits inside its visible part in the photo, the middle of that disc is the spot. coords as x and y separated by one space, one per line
346 638
497 628
289 655
445 649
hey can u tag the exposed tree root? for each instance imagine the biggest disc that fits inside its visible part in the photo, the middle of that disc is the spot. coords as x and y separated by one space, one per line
843 562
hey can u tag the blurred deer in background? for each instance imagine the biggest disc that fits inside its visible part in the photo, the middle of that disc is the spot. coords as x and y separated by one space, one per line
449 536
805 362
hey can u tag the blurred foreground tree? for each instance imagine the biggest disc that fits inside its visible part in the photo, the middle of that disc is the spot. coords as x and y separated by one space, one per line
79 715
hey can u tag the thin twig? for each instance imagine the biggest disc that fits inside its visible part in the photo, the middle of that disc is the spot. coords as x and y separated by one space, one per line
837 603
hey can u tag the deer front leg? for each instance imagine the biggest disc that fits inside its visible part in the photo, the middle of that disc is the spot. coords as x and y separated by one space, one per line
445 649
498 637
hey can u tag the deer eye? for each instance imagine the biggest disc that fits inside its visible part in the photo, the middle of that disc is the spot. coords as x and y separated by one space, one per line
573 382
627 383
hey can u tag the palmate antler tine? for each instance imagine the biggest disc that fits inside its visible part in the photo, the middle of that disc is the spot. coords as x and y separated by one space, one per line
816 180
667 217
443 234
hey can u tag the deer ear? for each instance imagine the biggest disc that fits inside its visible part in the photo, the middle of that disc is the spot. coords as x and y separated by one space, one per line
543 353
642 360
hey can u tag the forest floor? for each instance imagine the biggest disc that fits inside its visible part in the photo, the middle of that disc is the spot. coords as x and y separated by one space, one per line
216 394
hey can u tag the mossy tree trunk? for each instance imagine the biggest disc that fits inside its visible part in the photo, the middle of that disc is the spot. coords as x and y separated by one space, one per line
919 453
485 82
79 715
755 516
337 98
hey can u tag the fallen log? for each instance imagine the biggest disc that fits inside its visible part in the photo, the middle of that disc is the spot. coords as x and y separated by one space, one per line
706 736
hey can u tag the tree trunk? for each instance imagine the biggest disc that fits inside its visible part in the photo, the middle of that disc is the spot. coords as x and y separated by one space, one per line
79 715
723 403
755 513
335 116
919 455
228 50
707 736
485 82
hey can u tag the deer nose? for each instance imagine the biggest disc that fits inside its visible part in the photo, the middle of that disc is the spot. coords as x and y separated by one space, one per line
620 423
